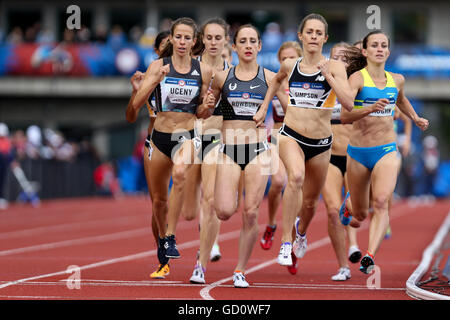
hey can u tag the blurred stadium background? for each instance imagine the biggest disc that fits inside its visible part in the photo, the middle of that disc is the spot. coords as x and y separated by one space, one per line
63 93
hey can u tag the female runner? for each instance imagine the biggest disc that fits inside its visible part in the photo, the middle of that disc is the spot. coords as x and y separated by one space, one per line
371 160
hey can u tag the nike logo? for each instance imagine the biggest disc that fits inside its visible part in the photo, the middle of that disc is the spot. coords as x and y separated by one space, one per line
253 87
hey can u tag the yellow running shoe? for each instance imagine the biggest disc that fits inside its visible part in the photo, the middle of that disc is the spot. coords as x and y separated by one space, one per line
162 272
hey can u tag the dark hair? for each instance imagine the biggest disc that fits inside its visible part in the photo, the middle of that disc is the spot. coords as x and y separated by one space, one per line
356 60
248 25
199 46
168 48
313 16
160 37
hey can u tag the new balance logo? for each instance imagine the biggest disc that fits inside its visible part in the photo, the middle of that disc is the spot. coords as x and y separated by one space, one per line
323 141
195 73
320 78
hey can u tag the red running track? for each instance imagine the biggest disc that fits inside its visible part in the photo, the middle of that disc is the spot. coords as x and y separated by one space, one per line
111 243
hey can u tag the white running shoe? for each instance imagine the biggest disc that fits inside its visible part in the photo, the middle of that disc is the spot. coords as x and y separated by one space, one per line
300 243
215 253
239 280
284 257
198 276
342 275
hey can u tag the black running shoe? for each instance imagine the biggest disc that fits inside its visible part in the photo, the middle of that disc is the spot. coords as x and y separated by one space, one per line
367 264
171 247
163 260
355 256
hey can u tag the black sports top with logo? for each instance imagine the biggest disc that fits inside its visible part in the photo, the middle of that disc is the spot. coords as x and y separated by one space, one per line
179 92
310 91
218 109
242 99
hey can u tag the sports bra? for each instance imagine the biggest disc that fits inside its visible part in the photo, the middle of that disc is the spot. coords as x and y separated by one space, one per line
179 92
242 99
369 94
311 91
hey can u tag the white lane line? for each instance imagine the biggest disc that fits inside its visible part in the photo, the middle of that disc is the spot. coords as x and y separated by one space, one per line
81 241
84 225
190 244
89 298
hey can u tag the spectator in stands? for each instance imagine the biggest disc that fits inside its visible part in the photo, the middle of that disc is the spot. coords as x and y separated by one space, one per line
135 34
100 34
430 158
106 181
15 36
83 35
45 36
31 33
117 38
272 36
6 156
148 38
34 142
19 143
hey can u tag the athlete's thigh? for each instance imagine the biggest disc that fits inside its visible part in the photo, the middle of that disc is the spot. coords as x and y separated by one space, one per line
184 156
256 175
158 173
291 154
316 170
226 187
332 188
384 175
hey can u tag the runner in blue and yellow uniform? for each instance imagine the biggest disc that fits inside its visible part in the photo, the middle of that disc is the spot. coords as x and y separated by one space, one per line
371 160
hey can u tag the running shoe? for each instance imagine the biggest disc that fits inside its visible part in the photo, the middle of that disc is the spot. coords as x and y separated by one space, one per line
239 280
162 271
198 276
161 252
388 233
215 253
367 264
300 243
171 247
354 254
294 267
267 239
284 256
342 275
344 214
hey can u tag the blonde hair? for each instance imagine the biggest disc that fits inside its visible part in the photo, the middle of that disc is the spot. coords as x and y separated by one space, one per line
290 44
